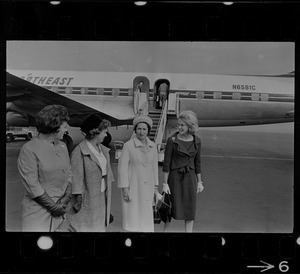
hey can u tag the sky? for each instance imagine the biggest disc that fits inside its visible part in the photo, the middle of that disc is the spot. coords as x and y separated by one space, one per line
238 58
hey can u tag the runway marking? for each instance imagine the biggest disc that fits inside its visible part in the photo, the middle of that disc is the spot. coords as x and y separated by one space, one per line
248 157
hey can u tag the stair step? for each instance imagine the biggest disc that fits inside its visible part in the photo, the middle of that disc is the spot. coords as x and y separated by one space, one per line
155 116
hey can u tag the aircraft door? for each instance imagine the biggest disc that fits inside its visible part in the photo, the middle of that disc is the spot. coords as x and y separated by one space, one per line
140 94
161 91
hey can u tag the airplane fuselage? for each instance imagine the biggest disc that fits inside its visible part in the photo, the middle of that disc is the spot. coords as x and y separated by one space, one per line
218 100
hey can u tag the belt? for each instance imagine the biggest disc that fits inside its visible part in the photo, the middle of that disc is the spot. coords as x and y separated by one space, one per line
184 170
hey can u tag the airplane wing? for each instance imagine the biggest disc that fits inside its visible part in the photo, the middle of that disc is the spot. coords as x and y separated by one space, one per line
27 98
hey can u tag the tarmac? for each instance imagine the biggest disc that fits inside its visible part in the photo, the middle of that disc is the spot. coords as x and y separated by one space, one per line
248 175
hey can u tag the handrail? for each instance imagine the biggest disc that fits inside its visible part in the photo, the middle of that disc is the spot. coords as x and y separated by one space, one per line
161 126
177 105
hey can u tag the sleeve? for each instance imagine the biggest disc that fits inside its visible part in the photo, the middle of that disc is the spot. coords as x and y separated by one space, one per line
28 169
123 167
70 176
168 155
198 160
77 170
109 170
155 167
66 154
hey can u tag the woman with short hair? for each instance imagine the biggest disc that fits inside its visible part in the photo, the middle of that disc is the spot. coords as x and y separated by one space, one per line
44 168
92 178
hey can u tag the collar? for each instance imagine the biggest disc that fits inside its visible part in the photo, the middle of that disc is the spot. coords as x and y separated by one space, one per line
85 149
174 137
138 143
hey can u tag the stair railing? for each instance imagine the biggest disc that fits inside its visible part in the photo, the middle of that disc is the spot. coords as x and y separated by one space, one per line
177 105
161 126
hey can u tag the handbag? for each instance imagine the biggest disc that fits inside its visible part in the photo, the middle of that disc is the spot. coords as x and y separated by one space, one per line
65 225
111 219
156 216
165 207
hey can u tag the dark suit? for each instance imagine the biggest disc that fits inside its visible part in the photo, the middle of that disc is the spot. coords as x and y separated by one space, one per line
182 161
177 157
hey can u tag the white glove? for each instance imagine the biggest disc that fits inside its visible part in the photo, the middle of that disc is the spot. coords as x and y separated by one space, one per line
200 187
166 189
125 193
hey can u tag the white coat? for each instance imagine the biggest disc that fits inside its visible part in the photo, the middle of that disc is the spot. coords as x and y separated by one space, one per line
138 170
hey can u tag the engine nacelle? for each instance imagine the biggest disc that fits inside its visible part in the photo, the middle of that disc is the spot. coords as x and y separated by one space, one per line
15 119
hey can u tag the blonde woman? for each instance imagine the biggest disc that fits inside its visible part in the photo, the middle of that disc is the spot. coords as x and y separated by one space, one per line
182 169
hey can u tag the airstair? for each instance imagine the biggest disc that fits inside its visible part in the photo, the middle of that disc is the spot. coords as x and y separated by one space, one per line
157 133
155 116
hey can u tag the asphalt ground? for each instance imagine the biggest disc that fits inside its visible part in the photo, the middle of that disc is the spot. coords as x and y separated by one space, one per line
248 175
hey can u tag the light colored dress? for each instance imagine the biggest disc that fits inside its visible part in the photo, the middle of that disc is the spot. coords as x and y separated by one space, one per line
95 190
42 167
138 170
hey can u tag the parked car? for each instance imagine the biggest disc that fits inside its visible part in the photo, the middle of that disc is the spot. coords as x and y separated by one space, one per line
18 132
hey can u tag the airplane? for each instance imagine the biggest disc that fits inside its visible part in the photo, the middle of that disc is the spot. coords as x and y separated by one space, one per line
217 100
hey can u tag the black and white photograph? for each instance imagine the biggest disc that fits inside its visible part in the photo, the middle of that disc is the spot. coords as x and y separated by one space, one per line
150 136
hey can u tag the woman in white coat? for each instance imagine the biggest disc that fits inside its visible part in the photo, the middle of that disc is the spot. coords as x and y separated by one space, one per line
138 178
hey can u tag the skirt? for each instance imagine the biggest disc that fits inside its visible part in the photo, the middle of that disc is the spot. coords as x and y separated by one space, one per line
183 187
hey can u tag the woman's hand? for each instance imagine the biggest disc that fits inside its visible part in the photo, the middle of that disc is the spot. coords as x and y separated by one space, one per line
200 187
166 188
78 202
158 196
125 194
